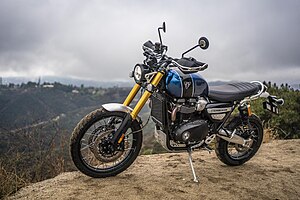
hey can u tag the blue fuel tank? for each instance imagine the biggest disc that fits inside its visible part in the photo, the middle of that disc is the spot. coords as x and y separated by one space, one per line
181 85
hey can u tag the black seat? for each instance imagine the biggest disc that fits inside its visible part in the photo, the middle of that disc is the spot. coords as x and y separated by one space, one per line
232 91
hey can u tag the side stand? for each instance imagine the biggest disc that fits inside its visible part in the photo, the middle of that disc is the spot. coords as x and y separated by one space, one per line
189 150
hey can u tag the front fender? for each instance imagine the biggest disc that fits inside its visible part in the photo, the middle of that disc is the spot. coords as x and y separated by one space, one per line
119 107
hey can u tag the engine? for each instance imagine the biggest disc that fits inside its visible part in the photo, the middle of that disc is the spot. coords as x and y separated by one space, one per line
183 109
188 123
183 117
192 131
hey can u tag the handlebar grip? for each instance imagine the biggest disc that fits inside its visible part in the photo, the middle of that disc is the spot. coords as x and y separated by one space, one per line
205 66
150 45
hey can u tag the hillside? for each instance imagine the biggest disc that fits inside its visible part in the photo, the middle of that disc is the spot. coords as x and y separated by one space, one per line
36 121
272 174
30 103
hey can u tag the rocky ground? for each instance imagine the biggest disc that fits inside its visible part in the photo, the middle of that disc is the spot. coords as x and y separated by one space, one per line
274 173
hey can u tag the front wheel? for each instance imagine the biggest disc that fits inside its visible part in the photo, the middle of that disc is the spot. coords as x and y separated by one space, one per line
235 154
90 147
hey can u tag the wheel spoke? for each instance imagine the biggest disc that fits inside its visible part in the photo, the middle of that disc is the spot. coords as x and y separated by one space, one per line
85 147
129 149
92 149
239 152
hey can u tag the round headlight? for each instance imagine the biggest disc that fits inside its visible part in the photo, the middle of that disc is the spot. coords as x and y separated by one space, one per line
137 73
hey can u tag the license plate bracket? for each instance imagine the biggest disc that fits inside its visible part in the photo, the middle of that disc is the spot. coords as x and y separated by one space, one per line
272 107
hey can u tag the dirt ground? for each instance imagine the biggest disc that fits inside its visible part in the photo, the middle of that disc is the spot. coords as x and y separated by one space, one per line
274 173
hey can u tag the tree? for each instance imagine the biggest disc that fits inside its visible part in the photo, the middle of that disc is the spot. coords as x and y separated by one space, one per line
287 123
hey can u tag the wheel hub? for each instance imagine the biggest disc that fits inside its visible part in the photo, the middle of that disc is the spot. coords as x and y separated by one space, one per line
105 147
248 142
102 148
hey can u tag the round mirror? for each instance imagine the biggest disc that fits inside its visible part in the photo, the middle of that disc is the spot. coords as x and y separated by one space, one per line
164 27
203 43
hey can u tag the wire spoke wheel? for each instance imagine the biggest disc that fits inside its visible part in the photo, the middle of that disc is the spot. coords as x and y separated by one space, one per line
91 148
237 151
235 154
94 147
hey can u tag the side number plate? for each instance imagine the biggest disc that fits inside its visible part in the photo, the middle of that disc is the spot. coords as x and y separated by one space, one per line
271 107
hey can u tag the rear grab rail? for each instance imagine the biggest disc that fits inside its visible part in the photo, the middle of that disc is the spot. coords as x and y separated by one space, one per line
263 93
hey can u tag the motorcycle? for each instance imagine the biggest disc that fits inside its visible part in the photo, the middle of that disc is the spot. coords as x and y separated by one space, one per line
188 115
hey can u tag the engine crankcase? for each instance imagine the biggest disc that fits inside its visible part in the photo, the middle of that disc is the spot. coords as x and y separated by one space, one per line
192 131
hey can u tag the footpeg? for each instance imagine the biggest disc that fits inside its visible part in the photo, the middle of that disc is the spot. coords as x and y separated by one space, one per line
191 165
208 148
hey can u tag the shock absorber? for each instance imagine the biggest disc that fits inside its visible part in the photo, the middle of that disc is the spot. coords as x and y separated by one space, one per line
245 110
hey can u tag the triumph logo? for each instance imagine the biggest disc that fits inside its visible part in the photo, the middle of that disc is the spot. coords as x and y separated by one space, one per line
187 85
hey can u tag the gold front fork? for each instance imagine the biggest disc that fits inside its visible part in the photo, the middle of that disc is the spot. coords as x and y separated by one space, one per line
132 94
119 136
155 81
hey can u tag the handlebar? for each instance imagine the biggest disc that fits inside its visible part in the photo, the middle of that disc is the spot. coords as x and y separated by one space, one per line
156 48
155 56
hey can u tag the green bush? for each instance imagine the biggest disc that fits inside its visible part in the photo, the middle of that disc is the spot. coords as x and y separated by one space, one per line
287 124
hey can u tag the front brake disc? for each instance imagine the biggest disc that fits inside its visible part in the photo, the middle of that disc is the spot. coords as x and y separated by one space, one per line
96 146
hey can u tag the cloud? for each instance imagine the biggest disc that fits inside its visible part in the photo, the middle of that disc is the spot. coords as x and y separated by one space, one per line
102 40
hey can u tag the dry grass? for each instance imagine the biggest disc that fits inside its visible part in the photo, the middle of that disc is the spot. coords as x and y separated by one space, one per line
31 157
10 182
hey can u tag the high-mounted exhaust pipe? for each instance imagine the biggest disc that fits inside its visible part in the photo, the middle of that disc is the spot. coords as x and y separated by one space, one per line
233 138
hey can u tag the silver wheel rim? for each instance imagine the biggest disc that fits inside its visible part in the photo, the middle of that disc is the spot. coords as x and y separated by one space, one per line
238 152
99 128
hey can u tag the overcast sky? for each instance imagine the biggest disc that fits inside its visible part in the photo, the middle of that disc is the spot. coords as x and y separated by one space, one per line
101 40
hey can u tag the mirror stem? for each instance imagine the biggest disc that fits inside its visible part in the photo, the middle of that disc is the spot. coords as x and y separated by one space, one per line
189 50
159 36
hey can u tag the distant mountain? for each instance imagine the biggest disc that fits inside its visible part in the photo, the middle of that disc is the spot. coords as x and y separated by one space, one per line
68 81
32 104
296 86
79 82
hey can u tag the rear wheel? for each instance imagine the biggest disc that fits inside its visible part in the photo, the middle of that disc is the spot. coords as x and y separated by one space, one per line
235 154
91 150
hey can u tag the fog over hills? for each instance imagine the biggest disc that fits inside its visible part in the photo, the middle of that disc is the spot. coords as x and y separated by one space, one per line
78 82
95 83
68 81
